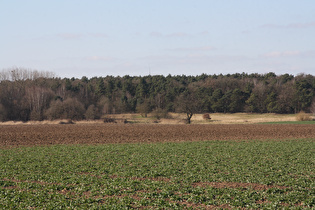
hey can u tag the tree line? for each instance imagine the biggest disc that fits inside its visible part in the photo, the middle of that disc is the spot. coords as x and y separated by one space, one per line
32 95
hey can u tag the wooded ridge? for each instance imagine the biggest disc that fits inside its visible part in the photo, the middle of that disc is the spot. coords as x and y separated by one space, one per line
32 95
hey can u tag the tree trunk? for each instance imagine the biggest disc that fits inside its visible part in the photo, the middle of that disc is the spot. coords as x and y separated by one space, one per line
189 116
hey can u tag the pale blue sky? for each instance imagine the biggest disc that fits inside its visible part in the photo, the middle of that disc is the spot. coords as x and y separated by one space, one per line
76 38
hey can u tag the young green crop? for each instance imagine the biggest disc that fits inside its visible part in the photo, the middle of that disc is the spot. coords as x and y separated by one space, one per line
249 174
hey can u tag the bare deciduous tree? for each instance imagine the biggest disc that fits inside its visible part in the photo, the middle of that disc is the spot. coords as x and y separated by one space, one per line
312 108
105 105
18 74
38 99
144 108
3 113
188 104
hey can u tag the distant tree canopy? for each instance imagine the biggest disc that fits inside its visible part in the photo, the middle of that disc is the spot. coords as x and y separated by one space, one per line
32 95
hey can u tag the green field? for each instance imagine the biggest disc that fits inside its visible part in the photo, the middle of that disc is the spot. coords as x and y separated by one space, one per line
224 174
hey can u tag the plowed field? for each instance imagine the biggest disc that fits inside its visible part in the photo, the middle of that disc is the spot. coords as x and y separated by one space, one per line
28 135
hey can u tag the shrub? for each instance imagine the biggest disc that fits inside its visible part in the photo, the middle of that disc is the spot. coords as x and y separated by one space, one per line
66 122
70 108
206 116
91 113
302 116
55 110
73 109
109 120
159 113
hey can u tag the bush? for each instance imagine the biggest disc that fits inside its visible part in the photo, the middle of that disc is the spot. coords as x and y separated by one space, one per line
73 109
206 116
159 113
109 120
55 110
70 108
302 116
66 122
91 113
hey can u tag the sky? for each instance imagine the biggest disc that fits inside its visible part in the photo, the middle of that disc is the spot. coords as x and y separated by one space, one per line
75 38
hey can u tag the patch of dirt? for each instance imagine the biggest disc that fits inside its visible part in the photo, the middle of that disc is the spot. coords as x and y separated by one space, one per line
163 179
27 181
203 206
254 186
263 202
9 187
49 134
138 198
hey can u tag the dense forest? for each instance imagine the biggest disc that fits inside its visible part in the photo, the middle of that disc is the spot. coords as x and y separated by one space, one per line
32 95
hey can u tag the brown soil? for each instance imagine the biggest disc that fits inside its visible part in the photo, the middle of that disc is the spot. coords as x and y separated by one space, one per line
47 134
254 186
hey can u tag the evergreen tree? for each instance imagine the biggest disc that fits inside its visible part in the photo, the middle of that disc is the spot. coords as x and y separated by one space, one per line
100 88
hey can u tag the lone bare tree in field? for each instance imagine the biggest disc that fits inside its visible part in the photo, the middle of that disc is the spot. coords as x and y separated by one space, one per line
187 103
